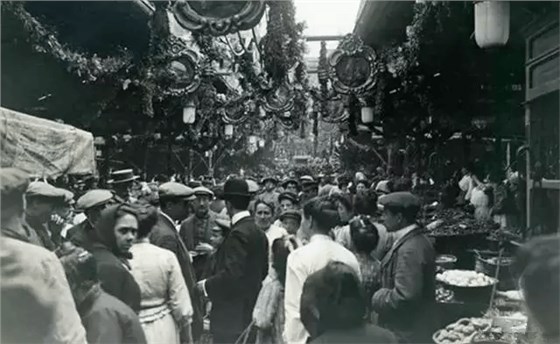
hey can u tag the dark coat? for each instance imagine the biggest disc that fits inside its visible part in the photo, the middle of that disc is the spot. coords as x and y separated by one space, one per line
407 294
363 334
115 278
108 320
82 234
113 270
241 265
165 235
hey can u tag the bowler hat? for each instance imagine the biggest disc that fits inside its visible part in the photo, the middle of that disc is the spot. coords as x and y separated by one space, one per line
236 188
122 176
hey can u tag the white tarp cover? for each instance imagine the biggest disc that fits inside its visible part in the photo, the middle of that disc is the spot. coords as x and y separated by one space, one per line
44 148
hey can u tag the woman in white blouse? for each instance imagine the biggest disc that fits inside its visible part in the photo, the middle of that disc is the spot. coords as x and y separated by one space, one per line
166 309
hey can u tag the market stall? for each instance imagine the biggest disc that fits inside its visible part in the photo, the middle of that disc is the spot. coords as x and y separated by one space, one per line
44 148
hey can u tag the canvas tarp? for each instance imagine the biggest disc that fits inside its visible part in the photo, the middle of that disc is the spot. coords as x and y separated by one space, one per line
44 148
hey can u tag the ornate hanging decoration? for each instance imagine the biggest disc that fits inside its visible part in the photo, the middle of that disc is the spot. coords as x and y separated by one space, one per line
280 100
351 67
218 18
176 68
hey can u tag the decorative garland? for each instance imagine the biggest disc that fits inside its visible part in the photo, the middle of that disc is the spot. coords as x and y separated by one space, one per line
89 68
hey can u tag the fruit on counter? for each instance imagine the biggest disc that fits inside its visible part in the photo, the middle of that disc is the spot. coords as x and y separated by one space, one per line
461 331
444 295
465 278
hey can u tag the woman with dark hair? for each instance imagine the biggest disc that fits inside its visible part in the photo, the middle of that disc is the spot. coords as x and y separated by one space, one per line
333 308
320 215
166 309
268 314
105 318
365 237
115 233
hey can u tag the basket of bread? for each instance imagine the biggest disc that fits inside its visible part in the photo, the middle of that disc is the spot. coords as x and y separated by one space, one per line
462 331
468 285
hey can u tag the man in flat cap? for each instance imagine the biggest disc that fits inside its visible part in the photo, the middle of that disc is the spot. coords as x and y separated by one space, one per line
241 263
407 272
37 304
196 230
42 199
91 203
174 200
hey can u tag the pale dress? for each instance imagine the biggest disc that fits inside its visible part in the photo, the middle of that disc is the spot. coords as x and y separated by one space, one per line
165 303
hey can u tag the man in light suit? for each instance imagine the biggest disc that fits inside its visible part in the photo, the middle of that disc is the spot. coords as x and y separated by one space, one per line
241 265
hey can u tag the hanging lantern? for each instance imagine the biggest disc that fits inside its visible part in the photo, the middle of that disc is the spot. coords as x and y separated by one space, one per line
228 130
252 139
262 143
189 113
491 23
367 114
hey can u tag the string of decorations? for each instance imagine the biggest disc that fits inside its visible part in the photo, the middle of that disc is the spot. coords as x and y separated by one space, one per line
90 68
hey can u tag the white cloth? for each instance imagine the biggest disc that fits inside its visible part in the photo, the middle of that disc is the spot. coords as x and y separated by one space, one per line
165 304
301 263
241 215
273 233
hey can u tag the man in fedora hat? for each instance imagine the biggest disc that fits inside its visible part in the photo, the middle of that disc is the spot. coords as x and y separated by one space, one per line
240 266
121 182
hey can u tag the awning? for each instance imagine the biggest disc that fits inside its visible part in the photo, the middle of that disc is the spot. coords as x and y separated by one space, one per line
44 148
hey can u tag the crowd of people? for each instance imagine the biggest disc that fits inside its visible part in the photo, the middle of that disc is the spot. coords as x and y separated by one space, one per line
280 260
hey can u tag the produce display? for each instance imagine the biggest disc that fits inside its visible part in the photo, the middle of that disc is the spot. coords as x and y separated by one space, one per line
462 331
465 278
443 295
493 335
452 222
502 235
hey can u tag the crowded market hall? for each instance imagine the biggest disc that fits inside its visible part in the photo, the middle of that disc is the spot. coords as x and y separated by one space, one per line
280 171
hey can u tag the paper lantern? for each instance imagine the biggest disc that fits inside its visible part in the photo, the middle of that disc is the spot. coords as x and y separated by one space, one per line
252 139
491 23
189 113
367 114
228 130
262 143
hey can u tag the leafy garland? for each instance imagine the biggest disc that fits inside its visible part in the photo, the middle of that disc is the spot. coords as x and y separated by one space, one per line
89 68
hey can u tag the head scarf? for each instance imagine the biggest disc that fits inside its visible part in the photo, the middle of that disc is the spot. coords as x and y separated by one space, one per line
105 228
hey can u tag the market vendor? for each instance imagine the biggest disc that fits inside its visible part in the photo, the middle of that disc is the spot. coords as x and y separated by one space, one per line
407 291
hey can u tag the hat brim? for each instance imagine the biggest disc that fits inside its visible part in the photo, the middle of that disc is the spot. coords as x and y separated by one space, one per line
275 181
236 194
112 181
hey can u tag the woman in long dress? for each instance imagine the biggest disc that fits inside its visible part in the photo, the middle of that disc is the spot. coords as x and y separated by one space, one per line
166 309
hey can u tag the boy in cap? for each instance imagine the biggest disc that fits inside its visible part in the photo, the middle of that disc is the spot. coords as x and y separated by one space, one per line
407 272
42 199
92 203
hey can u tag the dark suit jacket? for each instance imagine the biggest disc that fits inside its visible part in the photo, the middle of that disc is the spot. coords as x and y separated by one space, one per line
165 235
407 294
362 334
241 265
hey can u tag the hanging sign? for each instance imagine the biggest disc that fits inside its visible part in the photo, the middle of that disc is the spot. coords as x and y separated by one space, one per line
218 18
